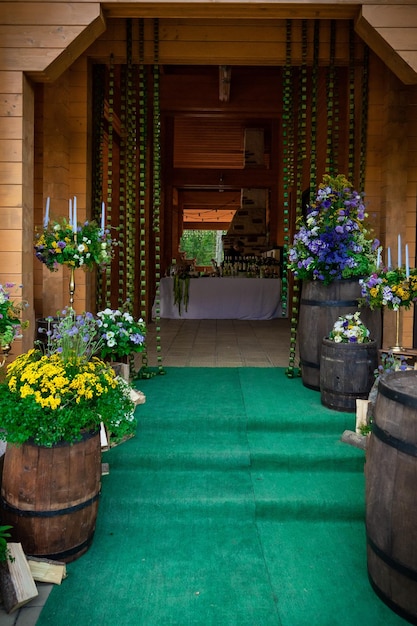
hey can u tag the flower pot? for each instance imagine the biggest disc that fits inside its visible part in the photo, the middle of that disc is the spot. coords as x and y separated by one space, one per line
391 504
50 496
346 373
320 306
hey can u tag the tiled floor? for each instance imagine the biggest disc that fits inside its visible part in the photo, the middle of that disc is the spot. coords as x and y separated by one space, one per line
221 343
195 343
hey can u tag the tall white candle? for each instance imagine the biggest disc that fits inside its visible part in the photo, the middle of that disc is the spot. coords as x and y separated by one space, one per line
389 258
46 218
103 217
74 216
407 262
378 258
70 212
399 251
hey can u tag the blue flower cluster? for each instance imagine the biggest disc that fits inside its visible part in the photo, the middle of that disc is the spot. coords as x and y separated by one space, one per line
332 242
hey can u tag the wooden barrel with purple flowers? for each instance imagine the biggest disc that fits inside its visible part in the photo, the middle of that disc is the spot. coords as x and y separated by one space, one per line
320 307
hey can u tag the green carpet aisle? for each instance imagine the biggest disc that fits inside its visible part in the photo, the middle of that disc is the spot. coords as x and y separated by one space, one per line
235 505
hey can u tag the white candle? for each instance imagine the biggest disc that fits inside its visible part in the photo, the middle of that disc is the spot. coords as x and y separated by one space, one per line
407 262
378 258
70 212
389 258
399 251
46 218
103 217
74 216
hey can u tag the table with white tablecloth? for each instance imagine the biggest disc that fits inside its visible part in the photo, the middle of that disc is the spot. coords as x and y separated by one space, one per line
223 298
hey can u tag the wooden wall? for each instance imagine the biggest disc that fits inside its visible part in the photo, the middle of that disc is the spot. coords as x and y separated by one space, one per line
44 132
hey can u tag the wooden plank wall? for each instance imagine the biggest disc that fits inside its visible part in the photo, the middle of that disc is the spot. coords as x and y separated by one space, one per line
42 41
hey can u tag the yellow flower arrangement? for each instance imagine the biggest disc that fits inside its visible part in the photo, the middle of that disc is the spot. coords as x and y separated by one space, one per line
51 397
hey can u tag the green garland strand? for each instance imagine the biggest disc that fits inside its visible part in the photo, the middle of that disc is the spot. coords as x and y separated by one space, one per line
364 118
314 100
131 140
109 202
157 181
288 181
351 104
122 191
301 157
98 142
145 371
330 165
143 113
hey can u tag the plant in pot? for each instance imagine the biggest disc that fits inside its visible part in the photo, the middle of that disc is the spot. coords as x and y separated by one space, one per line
11 324
349 357
121 337
53 404
331 250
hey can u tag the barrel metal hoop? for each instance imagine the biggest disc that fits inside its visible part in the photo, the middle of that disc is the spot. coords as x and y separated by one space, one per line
329 303
346 394
403 446
55 513
309 364
60 556
392 563
390 603
397 396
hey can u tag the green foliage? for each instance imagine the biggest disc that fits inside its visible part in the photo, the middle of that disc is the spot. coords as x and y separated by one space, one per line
4 535
47 400
199 245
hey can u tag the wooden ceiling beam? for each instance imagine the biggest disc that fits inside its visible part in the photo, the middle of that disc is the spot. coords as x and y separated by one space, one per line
262 10
231 179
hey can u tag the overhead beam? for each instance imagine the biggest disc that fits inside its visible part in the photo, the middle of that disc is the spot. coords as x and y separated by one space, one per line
262 10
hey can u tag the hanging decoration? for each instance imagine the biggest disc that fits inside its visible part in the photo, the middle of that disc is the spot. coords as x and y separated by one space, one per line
364 118
157 183
331 105
131 141
313 109
288 180
331 153
109 174
143 140
146 371
98 141
351 113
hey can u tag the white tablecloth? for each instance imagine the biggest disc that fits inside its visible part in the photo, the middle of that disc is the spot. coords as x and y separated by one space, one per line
224 298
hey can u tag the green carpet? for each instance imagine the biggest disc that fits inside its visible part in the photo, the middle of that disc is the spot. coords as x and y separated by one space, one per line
235 505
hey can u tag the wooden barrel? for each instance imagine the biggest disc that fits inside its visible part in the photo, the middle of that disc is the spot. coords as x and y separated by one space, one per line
320 307
391 500
346 373
50 496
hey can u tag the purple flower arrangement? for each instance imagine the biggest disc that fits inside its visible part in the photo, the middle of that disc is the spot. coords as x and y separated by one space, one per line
332 242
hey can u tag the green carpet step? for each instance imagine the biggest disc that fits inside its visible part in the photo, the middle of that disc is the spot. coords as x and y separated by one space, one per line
308 495
330 422
317 451
276 495
319 573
